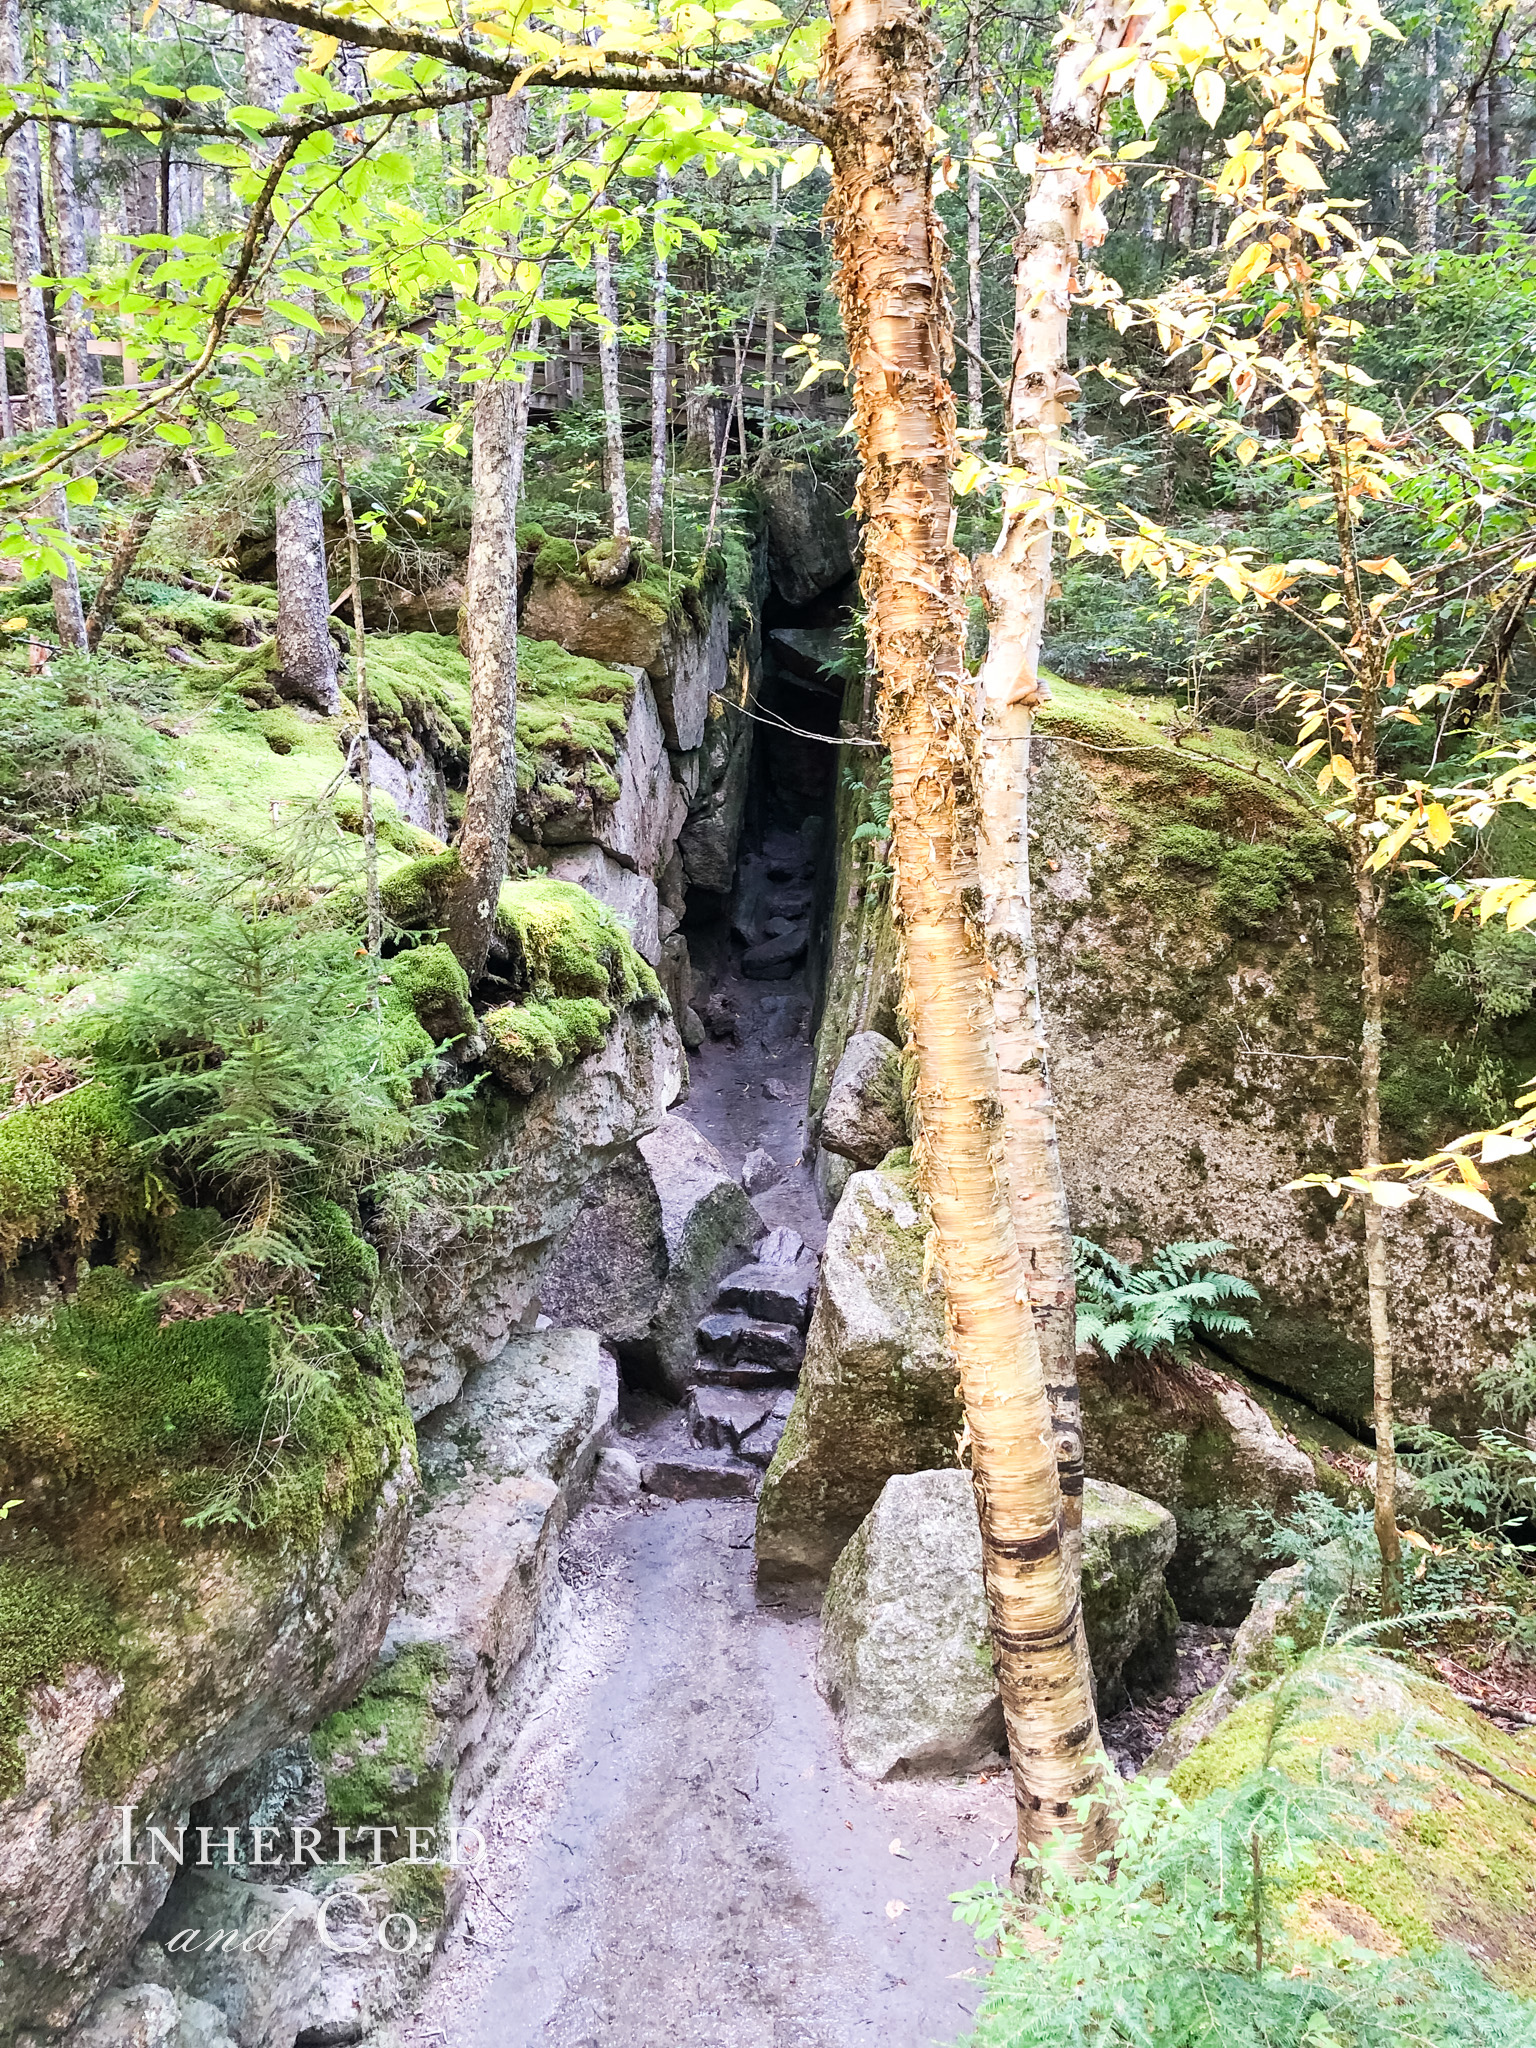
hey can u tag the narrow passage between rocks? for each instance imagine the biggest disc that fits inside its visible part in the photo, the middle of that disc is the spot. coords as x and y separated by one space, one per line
677 1851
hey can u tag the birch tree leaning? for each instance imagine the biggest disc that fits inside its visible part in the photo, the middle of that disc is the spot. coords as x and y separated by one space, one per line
1015 580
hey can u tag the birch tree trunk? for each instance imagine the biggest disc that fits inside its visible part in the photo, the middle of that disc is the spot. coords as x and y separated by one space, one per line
892 282
1015 582
659 345
74 335
975 396
490 611
306 655
610 565
24 198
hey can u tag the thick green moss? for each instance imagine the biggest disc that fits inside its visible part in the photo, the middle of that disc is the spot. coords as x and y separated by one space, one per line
415 896
526 1041
569 944
65 1167
154 1403
373 1754
390 829
436 987
419 683
1453 1859
556 558
53 1615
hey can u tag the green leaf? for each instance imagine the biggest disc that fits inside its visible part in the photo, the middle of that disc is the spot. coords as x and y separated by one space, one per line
299 315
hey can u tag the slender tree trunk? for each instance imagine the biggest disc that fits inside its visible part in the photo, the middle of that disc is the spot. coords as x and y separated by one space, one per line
1372 673
975 396
24 193
306 655
892 280
768 340
490 611
364 736
1015 580
1426 205
610 565
124 555
1368 929
659 347
74 334
1499 164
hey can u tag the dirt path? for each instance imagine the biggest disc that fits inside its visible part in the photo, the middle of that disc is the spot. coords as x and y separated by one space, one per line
678 1854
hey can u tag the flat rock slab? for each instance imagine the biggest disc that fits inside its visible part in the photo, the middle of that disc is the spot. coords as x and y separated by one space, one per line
700 1477
770 1294
743 1374
730 1337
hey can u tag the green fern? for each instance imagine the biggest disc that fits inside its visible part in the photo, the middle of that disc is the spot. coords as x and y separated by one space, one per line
1162 1310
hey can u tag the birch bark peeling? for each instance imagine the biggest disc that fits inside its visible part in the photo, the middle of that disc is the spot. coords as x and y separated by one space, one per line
1015 580
891 279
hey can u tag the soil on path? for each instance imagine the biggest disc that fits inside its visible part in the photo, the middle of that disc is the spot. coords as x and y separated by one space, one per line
678 1856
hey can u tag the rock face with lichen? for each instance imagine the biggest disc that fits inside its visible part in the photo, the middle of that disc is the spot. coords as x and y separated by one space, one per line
877 1389
467 1288
1199 979
1222 1453
906 1649
863 1118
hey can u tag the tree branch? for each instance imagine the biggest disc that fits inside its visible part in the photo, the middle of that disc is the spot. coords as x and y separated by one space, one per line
633 71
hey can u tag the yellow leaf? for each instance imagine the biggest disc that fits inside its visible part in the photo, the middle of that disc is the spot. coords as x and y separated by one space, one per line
321 50
1520 914
1438 825
1210 96
1466 1198
1299 170
15 625
1343 770
1456 427
1390 1194
1150 95
1496 1147
1246 450
1253 262
1112 64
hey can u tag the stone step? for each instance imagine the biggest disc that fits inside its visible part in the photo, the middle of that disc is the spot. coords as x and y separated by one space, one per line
700 1475
745 1373
730 1338
770 1294
734 1419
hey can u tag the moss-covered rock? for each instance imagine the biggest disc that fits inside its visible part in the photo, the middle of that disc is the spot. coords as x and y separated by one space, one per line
431 980
373 1754
67 1167
877 1390
1457 1808
527 1042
